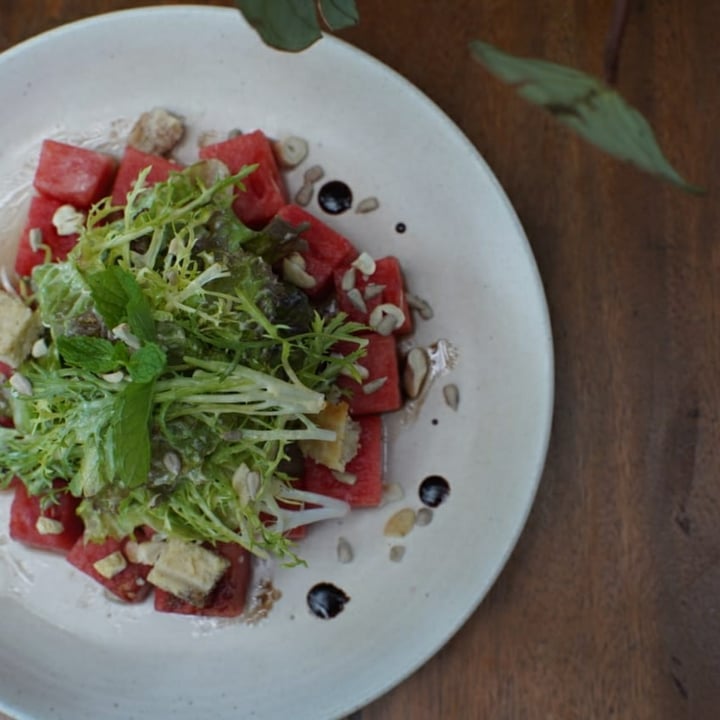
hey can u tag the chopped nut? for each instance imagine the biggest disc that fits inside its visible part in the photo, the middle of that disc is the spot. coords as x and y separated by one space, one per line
374 385
145 553
372 290
114 377
39 348
401 523
21 384
367 205
344 477
48 526
356 298
246 483
156 132
386 318
452 396
364 263
348 280
35 238
172 463
344 551
111 565
295 275
391 492
291 151
68 220
416 370
122 332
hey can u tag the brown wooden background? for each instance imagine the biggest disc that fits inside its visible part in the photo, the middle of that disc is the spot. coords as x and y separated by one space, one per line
610 605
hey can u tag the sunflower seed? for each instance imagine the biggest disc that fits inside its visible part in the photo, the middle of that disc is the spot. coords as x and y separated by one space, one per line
313 174
367 205
297 259
416 370
397 553
400 524
304 195
295 275
374 385
357 300
452 396
344 551
422 306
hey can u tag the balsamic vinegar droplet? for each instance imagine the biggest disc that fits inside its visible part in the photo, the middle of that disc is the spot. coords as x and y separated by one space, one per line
335 197
401 227
326 601
434 489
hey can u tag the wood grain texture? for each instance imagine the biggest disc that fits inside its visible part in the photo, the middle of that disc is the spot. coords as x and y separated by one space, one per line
608 607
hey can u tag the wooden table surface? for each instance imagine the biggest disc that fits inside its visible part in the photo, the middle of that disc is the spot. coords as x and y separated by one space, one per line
609 606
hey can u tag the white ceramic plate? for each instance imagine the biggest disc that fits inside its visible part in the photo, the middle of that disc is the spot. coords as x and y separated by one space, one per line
65 650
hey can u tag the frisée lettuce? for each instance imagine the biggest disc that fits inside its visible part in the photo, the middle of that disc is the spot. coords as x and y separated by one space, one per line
178 371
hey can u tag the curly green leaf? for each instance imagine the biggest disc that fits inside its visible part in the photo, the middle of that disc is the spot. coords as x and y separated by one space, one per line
586 105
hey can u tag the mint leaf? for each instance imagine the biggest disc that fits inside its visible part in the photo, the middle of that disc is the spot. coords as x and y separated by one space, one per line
586 105
131 434
147 363
93 354
339 14
119 298
108 295
293 25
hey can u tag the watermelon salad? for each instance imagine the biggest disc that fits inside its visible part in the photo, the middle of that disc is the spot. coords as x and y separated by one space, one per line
194 370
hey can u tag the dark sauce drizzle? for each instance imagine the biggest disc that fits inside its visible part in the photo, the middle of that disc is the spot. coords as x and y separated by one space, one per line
434 490
335 197
326 601
401 227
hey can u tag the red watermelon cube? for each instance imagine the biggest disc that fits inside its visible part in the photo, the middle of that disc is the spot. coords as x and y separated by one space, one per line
264 191
326 248
40 216
130 583
73 175
385 285
228 597
366 466
380 361
133 162
26 510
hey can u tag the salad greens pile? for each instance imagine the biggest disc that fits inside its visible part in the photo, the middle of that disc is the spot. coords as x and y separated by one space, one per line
179 371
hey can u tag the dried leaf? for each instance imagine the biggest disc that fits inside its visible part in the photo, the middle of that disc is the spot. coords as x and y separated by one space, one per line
587 105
